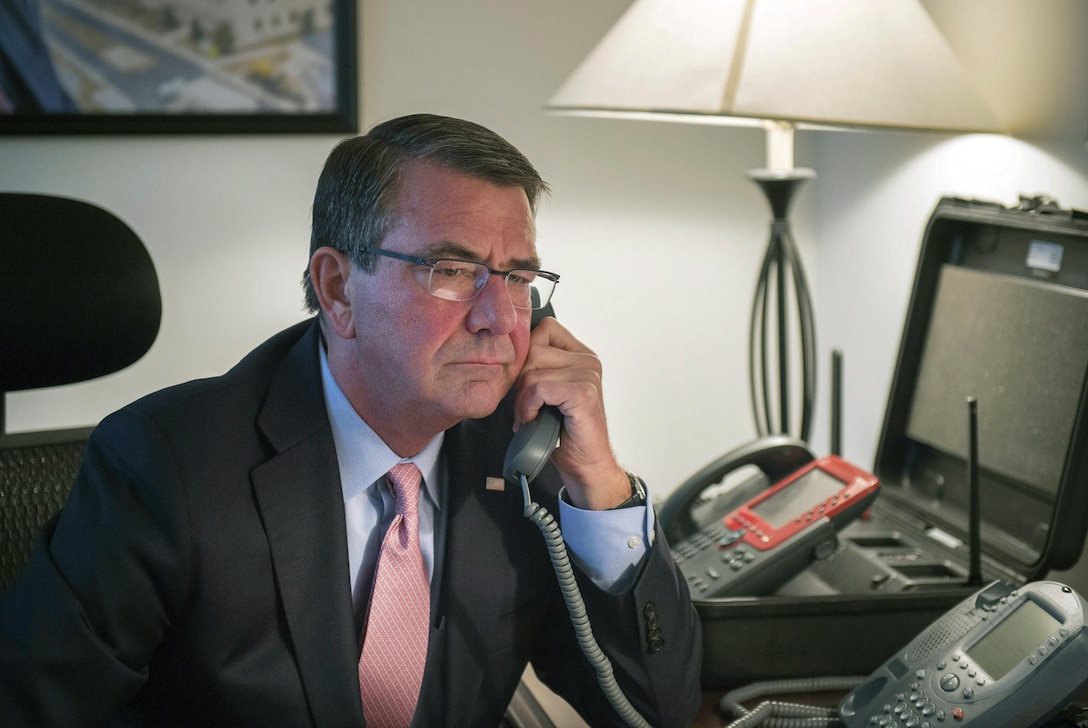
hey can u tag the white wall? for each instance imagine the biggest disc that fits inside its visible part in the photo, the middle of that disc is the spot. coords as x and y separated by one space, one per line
652 226
876 191
655 228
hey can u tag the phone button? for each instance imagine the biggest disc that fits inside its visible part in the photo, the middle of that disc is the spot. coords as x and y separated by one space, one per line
731 537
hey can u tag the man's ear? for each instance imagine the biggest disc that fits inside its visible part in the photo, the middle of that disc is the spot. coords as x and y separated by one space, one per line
330 270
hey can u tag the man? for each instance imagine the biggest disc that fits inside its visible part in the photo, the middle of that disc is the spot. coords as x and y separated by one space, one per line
221 558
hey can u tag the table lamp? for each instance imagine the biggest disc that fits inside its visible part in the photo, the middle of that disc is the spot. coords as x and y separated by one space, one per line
781 64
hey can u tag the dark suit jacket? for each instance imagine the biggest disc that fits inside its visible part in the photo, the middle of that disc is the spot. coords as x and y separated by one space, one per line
198 576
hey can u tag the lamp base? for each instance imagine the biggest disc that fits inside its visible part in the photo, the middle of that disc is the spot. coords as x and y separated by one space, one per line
780 185
781 280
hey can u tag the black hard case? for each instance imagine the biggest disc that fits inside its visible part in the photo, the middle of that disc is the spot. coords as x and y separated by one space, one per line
998 312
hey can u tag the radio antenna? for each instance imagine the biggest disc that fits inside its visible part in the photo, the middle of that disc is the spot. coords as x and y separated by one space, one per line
974 574
836 402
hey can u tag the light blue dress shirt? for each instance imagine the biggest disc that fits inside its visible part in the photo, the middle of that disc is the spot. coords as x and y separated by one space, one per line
607 545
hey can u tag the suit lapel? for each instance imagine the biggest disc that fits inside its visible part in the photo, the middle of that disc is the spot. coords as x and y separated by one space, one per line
475 574
299 496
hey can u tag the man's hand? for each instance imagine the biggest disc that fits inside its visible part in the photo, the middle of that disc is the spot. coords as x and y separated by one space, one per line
562 371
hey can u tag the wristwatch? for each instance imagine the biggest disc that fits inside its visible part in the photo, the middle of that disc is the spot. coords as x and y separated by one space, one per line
638 493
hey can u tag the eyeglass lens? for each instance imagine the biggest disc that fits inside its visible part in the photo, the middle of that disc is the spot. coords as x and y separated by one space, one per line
457 280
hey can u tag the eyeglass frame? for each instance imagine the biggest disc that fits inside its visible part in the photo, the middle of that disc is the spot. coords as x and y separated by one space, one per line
432 262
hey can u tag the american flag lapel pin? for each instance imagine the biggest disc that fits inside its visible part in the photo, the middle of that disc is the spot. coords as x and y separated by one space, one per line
496 484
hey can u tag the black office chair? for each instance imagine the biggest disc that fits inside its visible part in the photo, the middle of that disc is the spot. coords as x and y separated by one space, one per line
79 299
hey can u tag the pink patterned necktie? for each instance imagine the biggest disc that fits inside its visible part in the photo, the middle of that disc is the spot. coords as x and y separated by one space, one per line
395 641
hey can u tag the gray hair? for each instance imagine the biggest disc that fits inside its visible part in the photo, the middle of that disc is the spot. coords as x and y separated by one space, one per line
353 207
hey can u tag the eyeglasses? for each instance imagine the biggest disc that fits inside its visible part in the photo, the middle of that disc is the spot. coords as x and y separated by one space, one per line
462 280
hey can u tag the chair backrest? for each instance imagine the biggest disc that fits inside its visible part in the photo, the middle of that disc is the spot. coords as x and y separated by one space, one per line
37 470
79 299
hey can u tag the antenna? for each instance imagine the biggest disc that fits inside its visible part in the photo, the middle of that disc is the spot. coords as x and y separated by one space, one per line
974 575
836 402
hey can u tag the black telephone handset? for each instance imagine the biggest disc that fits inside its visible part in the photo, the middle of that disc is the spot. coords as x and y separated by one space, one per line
532 445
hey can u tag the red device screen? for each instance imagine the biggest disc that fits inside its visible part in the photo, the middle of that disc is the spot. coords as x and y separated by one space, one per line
825 487
807 492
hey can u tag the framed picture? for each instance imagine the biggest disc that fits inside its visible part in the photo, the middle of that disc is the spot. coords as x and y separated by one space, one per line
177 66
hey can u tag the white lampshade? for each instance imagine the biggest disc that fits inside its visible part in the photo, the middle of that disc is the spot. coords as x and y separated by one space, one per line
784 64
817 63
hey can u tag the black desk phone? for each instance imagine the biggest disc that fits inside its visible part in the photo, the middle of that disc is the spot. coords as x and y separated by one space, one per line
1002 658
777 532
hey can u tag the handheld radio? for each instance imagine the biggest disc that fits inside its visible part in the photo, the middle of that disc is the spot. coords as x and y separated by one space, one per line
776 534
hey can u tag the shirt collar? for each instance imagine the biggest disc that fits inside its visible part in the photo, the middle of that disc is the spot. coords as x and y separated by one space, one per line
364 458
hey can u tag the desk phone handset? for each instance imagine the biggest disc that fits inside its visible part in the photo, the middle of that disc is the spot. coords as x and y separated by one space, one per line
775 535
532 445
526 456
1002 658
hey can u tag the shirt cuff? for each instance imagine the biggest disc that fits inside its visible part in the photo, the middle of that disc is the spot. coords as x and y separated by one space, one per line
608 546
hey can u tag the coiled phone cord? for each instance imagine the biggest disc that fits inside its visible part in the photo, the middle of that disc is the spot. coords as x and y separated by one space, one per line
773 714
776 714
557 550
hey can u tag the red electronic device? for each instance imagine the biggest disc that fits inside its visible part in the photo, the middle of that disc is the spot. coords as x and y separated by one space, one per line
775 535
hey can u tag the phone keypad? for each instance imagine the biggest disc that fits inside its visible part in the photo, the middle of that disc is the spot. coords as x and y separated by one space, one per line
705 572
912 709
705 568
712 535
739 557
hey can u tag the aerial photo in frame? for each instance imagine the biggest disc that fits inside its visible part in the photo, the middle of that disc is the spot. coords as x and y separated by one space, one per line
260 65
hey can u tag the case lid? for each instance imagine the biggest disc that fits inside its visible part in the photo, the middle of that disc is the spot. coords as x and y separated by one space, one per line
998 312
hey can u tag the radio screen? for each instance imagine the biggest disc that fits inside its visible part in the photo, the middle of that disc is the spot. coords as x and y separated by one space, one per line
1013 639
800 496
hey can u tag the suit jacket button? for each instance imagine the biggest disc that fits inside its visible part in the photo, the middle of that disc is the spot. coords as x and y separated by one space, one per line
650 610
656 645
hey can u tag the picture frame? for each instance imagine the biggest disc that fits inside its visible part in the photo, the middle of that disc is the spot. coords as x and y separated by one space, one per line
178 67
